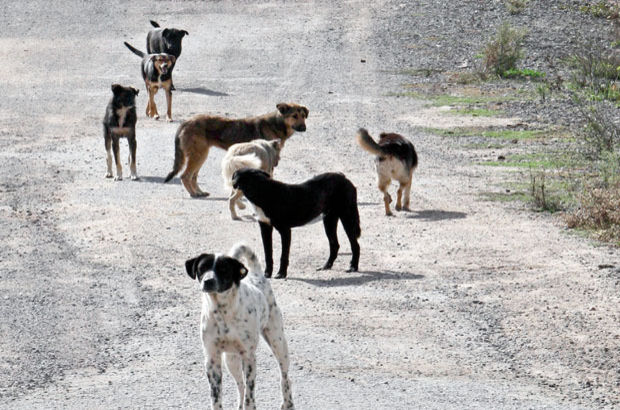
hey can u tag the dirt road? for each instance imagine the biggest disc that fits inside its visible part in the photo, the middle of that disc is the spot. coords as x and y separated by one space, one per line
459 304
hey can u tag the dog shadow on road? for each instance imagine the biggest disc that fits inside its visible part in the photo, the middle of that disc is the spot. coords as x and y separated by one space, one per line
360 278
203 91
432 215
158 180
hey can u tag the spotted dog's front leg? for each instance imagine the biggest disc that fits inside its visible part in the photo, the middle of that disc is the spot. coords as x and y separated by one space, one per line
249 370
213 366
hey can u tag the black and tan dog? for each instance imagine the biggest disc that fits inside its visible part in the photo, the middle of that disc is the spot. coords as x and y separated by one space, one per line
120 122
197 135
165 40
156 73
284 206
396 158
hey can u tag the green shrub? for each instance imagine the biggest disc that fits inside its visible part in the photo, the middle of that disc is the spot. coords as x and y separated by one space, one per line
502 53
522 73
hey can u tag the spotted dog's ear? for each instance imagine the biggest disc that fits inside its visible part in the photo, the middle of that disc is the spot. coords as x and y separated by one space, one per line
283 108
190 267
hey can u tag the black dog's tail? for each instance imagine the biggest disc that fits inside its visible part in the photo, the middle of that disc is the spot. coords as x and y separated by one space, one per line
154 24
134 50
179 158
365 141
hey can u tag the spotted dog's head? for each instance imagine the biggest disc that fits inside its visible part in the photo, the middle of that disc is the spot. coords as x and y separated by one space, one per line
215 273
163 62
124 96
294 115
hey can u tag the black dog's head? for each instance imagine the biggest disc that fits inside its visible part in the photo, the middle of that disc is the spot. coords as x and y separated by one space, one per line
172 39
124 96
246 178
215 273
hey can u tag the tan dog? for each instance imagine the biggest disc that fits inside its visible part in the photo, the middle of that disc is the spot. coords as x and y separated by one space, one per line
397 159
196 136
156 73
259 154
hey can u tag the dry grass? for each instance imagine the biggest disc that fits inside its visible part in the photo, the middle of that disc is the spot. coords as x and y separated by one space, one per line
599 211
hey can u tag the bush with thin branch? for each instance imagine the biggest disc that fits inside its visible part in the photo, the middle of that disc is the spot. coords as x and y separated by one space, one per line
502 53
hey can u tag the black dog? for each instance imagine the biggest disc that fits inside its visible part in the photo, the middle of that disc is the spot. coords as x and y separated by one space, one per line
120 121
283 206
156 73
165 40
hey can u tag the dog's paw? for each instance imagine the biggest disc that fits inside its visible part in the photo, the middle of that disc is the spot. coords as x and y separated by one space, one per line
398 207
108 175
327 266
389 213
268 272
352 269
406 209
168 119
118 178
135 178
235 217
156 116
281 275
200 194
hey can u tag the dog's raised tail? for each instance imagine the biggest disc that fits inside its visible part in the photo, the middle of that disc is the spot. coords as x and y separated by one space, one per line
243 253
154 24
230 165
366 142
134 50
179 158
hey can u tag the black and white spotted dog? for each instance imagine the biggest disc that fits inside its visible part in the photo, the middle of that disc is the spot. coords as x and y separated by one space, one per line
237 306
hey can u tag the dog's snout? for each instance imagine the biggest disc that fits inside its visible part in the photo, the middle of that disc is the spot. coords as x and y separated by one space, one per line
300 127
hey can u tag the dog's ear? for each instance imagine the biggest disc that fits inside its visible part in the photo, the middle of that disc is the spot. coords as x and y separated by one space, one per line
135 90
190 266
305 110
275 144
116 88
184 33
283 108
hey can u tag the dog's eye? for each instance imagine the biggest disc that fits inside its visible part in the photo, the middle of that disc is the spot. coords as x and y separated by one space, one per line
296 116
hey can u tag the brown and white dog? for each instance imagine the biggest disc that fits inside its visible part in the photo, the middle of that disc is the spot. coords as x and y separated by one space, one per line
258 154
156 73
197 135
396 159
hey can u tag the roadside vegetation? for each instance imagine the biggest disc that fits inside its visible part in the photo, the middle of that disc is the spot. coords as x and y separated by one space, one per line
574 172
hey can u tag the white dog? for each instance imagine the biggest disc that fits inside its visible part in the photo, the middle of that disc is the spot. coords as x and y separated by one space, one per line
259 154
237 307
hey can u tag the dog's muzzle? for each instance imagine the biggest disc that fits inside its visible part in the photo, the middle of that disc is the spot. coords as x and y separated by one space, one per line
300 128
208 283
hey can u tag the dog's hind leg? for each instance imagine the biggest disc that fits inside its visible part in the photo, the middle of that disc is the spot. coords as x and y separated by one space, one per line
233 363
330 222
234 199
131 139
285 236
117 159
274 336
266 233
406 194
399 193
384 183
352 228
189 177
